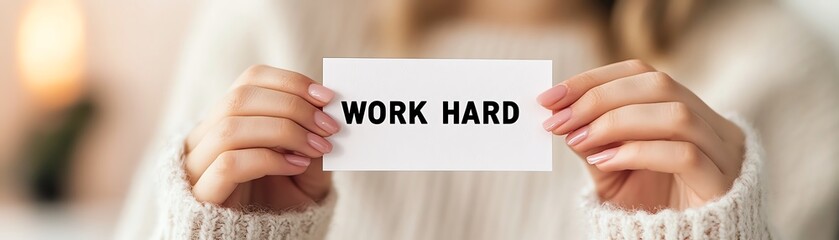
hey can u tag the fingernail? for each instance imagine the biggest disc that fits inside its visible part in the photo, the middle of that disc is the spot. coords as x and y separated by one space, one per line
557 119
325 122
577 136
319 143
321 93
552 95
601 156
297 160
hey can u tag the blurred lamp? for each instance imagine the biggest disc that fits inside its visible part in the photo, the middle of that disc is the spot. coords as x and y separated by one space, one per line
50 49
50 54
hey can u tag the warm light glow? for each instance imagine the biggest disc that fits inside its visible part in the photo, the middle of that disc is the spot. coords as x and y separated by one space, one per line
50 51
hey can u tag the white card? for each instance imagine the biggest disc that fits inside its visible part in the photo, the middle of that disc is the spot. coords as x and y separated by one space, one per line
421 130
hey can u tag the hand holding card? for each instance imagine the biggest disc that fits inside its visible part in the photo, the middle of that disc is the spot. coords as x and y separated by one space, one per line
438 114
262 144
649 142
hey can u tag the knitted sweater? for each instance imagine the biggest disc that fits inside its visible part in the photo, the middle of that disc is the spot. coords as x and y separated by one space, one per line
747 78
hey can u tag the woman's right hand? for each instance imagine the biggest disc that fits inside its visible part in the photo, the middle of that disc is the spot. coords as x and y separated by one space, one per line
263 144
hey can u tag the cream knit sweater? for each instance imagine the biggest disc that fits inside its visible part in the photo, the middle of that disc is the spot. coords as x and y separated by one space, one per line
778 79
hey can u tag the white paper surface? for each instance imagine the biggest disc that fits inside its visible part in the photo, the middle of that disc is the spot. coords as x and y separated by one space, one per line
519 146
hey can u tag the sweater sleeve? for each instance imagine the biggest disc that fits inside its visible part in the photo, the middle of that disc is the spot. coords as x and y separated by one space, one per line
736 215
183 217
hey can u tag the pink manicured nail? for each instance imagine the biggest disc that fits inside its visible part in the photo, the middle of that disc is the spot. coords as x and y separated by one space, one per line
321 93
325 122
557 119
578 136
602 156
319 143
552 95
297 160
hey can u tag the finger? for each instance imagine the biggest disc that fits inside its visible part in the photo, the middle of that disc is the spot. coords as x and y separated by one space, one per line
314 181
567 92
684 159
251 100
234 133
275 79
286 81
238 166
650 87
654 121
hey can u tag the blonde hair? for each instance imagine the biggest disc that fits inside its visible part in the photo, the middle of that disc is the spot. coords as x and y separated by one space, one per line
643 29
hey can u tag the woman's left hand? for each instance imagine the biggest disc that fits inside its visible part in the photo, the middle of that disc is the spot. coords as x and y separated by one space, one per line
649 142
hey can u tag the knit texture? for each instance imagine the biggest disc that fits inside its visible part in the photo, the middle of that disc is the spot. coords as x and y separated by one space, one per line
186 218
736 215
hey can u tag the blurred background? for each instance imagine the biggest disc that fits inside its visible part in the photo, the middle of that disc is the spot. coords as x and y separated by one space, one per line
82 85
